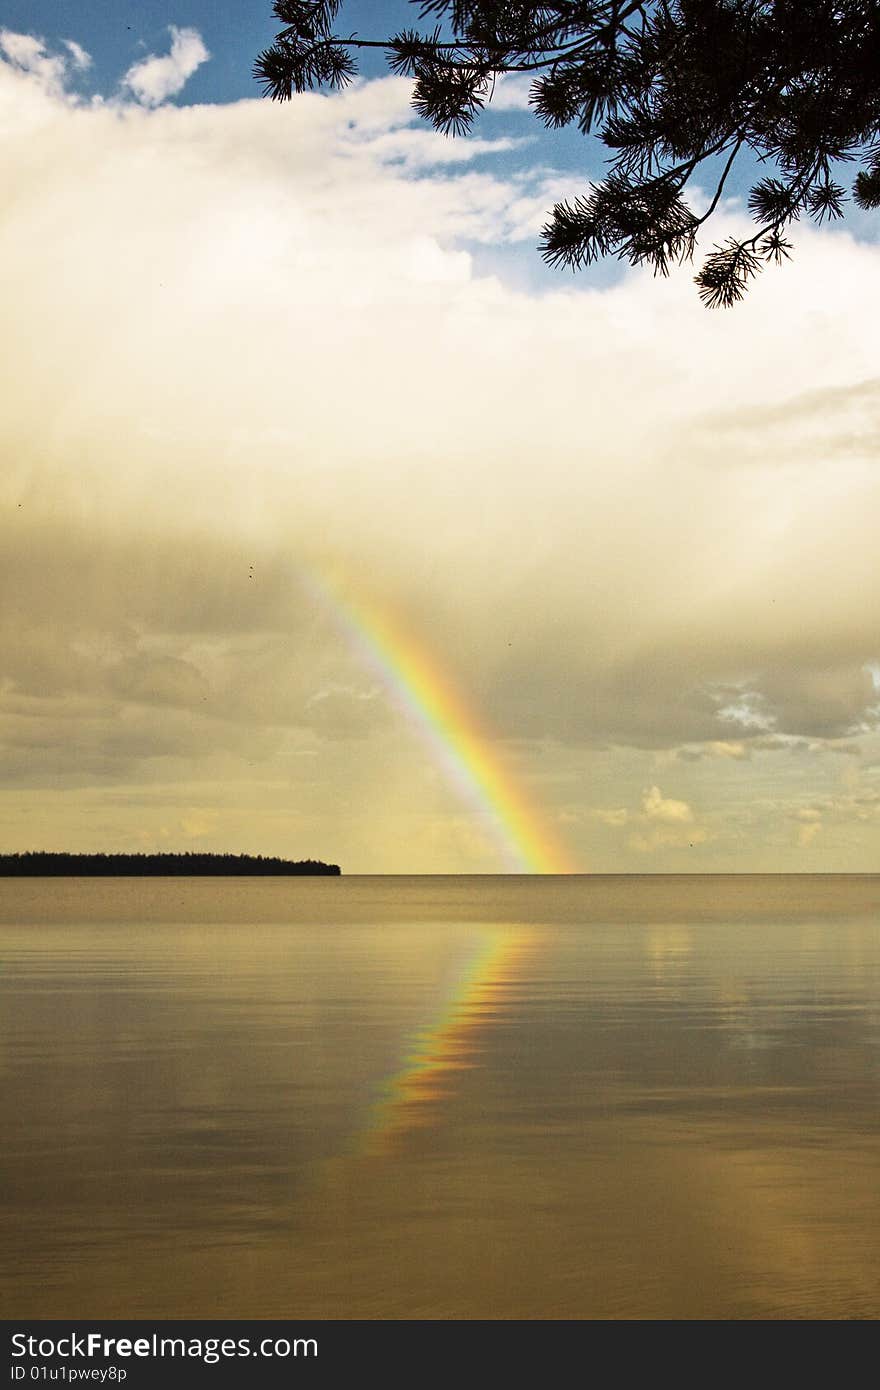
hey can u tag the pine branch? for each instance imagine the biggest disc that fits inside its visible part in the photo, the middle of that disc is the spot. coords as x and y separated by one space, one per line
665 85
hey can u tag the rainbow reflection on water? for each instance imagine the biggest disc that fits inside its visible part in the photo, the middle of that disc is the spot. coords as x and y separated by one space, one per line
411 1098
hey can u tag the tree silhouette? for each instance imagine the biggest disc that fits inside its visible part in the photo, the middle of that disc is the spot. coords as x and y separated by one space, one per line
48 864
672 88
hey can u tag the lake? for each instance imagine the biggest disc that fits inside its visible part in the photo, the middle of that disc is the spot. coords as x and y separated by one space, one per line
499 1097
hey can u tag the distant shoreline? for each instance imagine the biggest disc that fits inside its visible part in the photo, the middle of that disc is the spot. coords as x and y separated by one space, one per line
47 864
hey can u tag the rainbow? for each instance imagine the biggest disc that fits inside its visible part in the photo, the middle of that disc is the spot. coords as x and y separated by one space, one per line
460 745
450 1045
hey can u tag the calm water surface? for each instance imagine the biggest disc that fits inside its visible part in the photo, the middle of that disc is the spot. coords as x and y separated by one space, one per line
439 1097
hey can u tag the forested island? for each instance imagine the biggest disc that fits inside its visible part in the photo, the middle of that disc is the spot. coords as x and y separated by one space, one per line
45 864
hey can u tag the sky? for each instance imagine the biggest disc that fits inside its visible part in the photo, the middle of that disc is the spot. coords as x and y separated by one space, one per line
336 526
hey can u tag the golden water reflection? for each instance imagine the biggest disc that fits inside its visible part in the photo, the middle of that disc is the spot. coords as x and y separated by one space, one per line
626 1100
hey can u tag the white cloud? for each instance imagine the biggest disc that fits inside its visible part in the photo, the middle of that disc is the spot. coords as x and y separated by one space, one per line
511 93
155 79
24 50
81 59
30 55
669 825
660 808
